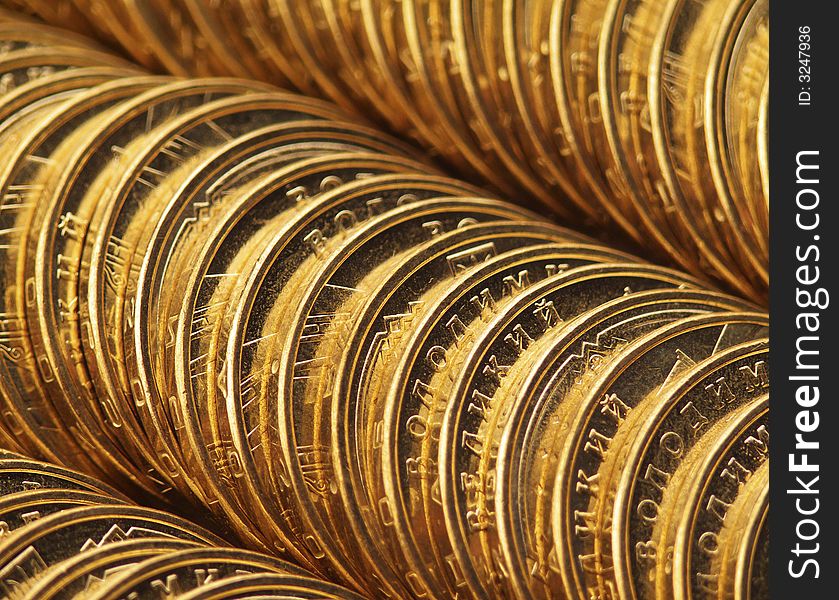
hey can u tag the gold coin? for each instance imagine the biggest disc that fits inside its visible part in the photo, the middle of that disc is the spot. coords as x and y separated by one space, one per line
296 18
467 38
526 458
188 569
27 372
740 563
52 88
304 426
737 129
172 37
595 411
264 26
83 573
271 585
763 143
58 237
193 197
65 12
422 33
17 33
30 550
110 21
258 214
473 408
367 334
21 508
22 67
143 164
382 23
623 57
19 474
524 34
695 502
234 55
635 476
400 474
573 43
680 59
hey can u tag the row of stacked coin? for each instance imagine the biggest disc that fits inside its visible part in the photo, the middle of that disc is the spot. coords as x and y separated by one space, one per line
228 294
65 535
649 116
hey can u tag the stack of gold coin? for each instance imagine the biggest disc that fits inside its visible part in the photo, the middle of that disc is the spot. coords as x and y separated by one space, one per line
646 116
220 295
66 535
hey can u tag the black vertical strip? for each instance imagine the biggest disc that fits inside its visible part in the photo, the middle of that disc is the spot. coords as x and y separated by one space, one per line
804 475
